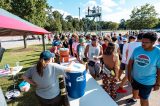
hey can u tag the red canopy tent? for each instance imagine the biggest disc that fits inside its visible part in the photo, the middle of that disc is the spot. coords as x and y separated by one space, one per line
12 25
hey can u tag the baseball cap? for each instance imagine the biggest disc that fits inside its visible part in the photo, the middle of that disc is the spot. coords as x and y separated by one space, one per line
46 55
124 39
56 43
82 40
132 37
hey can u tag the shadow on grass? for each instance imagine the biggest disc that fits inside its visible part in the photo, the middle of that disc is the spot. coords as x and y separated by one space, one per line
26 99
27 60
31 63
33 55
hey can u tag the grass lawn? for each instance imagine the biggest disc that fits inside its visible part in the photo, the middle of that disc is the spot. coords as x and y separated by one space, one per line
27 57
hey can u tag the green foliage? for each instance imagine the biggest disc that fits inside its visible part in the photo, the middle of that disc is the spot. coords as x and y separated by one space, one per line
113 25
75 24
64 25
81 25
143 18
158 24
5 4
69 18
122 24
57 21
40 13
69 26
30 10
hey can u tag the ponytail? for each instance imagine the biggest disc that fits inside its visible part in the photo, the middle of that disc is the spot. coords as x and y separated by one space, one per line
40 65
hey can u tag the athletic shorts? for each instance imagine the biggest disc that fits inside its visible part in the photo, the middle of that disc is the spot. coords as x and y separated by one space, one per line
144 90
57 101
95 70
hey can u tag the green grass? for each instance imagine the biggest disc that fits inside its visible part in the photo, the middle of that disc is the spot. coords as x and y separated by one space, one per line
27 57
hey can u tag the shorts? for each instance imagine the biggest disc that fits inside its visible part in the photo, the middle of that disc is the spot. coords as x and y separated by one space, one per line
122 66
57 101
95 70
144 90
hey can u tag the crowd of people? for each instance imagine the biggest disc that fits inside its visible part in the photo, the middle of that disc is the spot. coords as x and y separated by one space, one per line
108 57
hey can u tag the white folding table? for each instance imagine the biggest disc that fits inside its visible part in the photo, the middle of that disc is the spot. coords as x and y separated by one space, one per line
13 73
94 95
2 99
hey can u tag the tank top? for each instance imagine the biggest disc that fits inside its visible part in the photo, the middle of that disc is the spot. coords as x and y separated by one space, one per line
93 51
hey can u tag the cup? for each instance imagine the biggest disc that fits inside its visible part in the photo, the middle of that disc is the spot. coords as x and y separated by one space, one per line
94 57
62 60
11 70
17 63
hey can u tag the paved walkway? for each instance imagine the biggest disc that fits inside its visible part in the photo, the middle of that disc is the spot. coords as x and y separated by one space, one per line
154 99
13 42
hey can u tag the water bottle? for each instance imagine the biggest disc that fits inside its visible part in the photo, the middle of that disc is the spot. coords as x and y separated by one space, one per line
63 60
6 67
17 64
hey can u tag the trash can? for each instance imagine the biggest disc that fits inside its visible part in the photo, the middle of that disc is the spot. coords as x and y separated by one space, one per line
76 81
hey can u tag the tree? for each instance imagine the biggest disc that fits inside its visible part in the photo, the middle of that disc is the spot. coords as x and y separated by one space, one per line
69 26
49 23
30 10
69 18
158 24
122 24
5 4
143 18
57 21
81 24
112 25
64 25
75 24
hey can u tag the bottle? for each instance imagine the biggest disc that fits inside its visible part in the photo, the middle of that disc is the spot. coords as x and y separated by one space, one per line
64 94
17 64
63 60
6 67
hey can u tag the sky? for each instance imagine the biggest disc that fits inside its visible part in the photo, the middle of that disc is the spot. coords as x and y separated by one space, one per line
112 10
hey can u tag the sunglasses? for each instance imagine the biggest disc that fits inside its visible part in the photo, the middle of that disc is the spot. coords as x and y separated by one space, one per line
146 42
94 39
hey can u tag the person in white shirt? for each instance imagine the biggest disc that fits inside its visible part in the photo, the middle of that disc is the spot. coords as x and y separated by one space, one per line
130 48
123 61
93 53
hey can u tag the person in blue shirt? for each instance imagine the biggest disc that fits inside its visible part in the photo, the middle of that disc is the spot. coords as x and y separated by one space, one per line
158 42
144 69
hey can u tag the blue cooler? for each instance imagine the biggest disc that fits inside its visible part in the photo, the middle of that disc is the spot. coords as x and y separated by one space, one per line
76 81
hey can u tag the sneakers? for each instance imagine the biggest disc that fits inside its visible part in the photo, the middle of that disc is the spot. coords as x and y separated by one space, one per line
131 101
121 90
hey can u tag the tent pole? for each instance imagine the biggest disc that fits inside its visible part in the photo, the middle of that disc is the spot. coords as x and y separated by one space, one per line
43 41
25 41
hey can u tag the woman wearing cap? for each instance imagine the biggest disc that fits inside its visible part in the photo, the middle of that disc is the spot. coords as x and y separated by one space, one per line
44 77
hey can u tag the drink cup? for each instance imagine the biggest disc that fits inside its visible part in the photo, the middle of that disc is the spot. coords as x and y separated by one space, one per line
17 64
11 69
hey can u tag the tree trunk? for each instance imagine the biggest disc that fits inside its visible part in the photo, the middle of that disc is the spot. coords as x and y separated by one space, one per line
43 41
25 41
